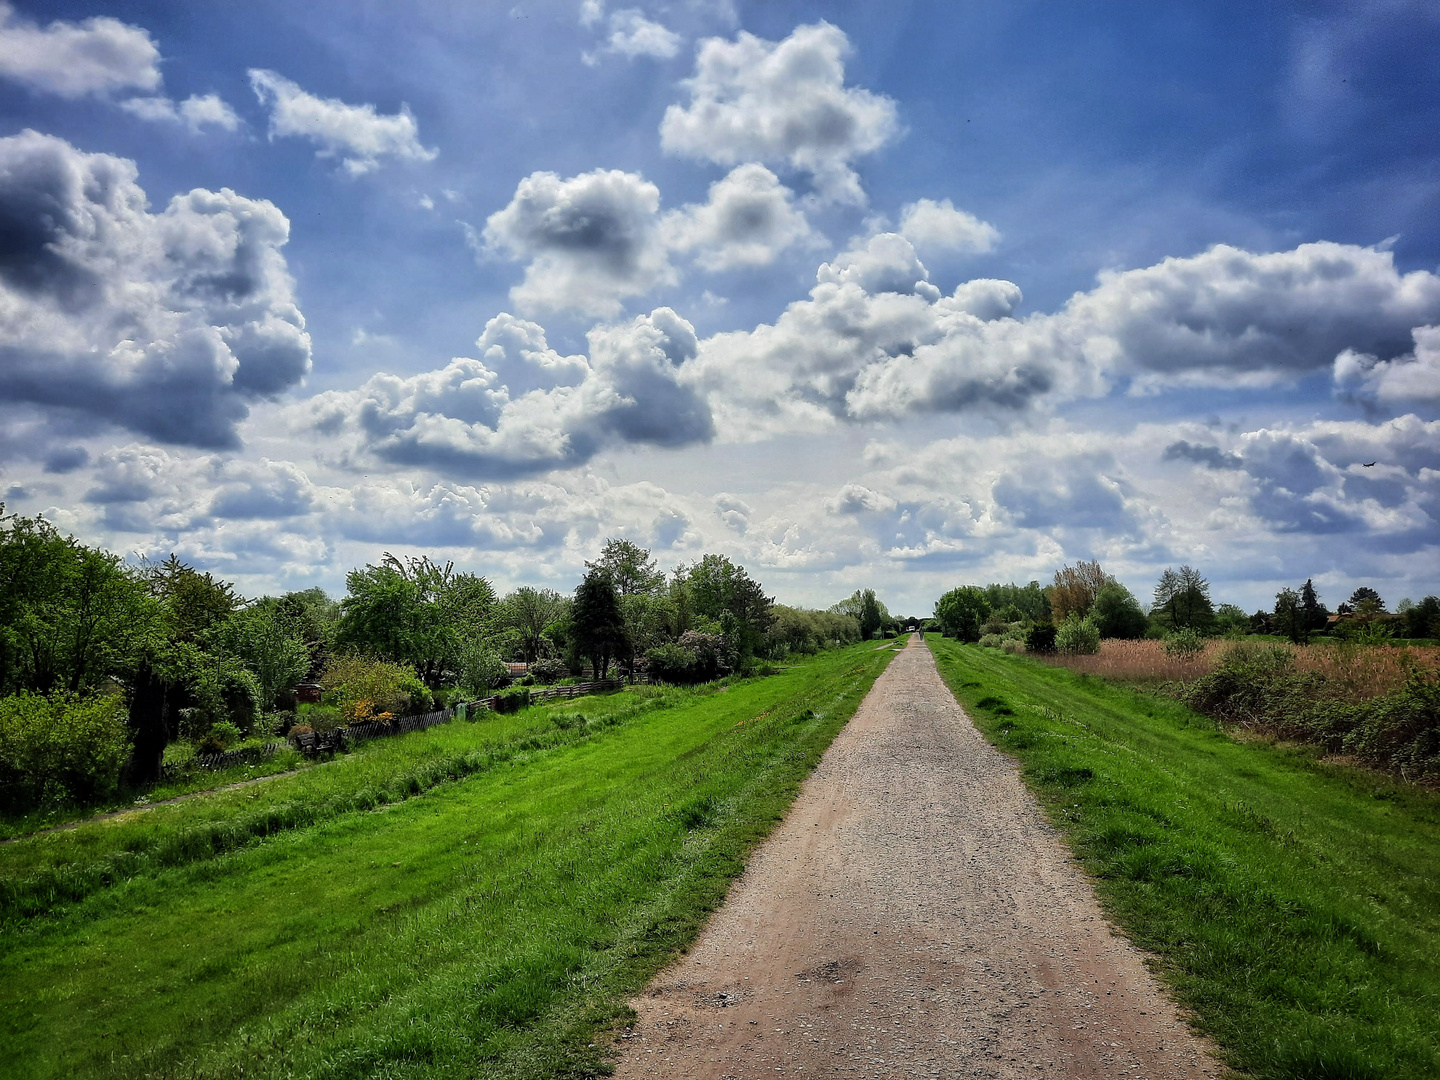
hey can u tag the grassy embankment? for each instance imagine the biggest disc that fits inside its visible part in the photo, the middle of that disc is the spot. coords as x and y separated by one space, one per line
1293 905
478 899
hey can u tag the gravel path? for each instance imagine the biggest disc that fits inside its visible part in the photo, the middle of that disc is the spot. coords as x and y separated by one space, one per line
914 915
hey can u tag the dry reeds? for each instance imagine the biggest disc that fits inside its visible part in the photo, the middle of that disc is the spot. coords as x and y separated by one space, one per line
1355 672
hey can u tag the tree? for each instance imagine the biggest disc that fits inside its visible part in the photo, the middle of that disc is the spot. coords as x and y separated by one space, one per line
529 612
1231 619
1290 617
1029 601
597 627
414 611
867 611
1182 600
724 594
1422 620
267 645
1075 589
961 611
1117 613
1314 613
1365 602
630 567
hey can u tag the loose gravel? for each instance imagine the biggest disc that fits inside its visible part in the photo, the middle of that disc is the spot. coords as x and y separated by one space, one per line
913 916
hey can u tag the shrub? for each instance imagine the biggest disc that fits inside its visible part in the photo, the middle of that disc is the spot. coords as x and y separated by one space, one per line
364 689
1184 645
299 729
1077 636
1040 638
511 701
990 641
1013 646
696 657
546 672
60 749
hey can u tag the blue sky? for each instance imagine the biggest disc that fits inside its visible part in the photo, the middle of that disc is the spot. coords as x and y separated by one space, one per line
903 295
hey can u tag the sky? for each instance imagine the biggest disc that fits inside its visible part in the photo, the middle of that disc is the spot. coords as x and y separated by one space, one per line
902 296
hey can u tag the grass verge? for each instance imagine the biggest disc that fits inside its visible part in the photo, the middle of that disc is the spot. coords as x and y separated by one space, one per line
1293 906
494 924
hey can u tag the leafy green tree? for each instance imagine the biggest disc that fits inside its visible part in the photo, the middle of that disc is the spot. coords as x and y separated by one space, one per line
1077 635
961 612
1182 600
630 567
269 646
1029 601
867 611
1231 619
414 611
1117 613
529 612
725 594
61 748
597 626
1422 620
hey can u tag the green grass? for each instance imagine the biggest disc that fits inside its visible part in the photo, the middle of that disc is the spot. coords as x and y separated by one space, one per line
1293 905
488 923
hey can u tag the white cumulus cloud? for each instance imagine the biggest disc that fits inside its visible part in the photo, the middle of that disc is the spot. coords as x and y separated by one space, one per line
99 56
588 242
462 418
167 324
781 102
196 112
939 227
749 218
1408 379
358 135
632 34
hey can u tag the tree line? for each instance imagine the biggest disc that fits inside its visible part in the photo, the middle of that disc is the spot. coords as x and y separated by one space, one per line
105 663
1084 604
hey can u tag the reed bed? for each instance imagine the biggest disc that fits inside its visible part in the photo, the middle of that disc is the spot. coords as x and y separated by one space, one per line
1352 672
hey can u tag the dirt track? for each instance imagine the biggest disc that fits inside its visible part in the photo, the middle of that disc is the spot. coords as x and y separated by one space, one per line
914 915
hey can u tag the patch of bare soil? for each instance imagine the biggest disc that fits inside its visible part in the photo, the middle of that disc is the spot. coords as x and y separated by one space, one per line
913 916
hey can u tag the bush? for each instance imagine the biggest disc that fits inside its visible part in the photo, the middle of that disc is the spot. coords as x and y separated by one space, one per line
547 672
990 641
1257 685
1040 638
364 689
1077 636
511 701
60 749
1013 646
696 657
1184 645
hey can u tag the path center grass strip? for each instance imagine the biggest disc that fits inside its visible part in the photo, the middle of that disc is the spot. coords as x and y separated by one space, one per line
493 925
1293 905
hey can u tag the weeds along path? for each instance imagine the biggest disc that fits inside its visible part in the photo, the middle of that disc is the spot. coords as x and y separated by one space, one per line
914 915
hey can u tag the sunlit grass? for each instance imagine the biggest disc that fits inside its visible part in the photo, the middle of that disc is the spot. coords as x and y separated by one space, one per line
491 924
1293 905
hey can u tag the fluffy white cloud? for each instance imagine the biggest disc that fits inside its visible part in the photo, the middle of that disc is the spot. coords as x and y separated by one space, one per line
781 102
99 56
589 241
195 112
876 340
748 220
632 34
507 340
357 134
462 419
1409 379
939 227
167 324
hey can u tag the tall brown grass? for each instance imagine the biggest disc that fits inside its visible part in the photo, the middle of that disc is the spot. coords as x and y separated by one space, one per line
1355 672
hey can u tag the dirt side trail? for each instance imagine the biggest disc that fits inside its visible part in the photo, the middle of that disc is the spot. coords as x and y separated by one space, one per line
914 915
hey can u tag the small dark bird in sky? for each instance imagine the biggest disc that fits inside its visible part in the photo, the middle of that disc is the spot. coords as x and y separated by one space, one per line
1367 464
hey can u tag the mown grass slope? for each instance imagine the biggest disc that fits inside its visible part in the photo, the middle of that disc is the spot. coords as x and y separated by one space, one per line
490 922
1293 905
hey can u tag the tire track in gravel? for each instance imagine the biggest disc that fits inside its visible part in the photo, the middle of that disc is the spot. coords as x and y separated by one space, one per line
913 916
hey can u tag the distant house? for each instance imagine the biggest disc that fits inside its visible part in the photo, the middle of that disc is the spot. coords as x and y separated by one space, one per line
517 669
